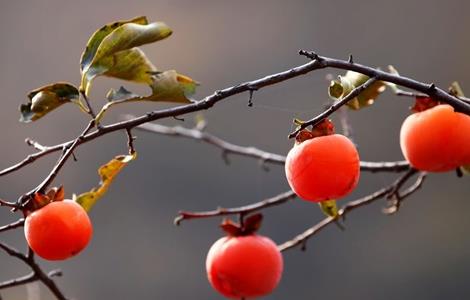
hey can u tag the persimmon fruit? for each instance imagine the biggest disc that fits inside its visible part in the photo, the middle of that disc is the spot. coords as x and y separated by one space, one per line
323 168
244 266
436 139
58 230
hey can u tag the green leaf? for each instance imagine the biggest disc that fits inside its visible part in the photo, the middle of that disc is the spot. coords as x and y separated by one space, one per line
168 86
111 51
97 37
47 98
329 208
345 84
107 174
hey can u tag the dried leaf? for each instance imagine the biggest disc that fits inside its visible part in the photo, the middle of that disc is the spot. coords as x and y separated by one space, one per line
169 86
107 174
456 90
345 84
465 169
47 98
252 224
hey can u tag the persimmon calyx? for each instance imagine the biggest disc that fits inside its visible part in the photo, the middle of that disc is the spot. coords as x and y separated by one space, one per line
424 103
250 226
325 127
40 199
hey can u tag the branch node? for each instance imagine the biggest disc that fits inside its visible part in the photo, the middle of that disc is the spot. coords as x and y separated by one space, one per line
177 118
225 157
309 54
350 59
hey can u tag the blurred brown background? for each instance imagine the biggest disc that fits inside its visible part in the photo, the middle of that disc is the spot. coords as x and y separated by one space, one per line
423 252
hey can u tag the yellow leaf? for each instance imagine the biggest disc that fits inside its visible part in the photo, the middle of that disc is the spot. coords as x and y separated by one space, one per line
345 84
107 173
329 208
47 98
130 65
111 51
170 86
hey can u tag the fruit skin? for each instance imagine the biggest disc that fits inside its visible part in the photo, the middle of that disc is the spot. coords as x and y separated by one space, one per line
58 230
437 139
323 168
244 266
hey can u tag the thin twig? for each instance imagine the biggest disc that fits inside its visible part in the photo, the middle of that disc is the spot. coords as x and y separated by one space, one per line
18 281
264 156
396 198
130 141
60 163
334 107
8 204
90 111
301 239
39 274
429 89
35 144
13 225
242 210
211 139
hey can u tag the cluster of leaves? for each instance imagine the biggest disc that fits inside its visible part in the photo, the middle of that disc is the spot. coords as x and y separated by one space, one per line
113 51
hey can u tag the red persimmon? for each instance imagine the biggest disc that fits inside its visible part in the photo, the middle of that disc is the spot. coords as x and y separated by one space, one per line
244 266
323 168
58 230
436 139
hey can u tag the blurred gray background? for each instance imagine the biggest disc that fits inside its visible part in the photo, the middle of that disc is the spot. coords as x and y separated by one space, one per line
423 252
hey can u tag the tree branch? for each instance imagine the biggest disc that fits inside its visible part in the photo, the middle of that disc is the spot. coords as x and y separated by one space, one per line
38 273
264 156
301 239
209 101
334 107
16 224
242 210
68 151
429 89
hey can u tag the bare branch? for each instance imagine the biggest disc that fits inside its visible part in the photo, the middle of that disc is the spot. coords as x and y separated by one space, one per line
35 144
16 224
209 101
396 198
211 139
301 239
242 210
264 156
130 141
18 281
334 107
8 204
68 151
429 89
38 273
